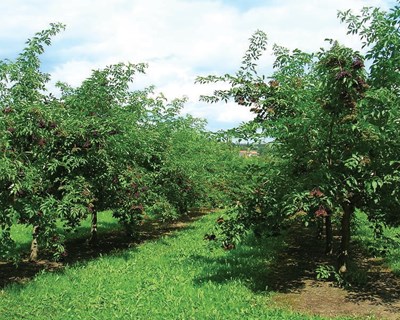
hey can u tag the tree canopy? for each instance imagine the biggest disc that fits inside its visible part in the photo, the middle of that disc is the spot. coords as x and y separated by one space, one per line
333 116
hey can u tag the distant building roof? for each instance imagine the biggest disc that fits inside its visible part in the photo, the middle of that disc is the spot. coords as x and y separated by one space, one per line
248 153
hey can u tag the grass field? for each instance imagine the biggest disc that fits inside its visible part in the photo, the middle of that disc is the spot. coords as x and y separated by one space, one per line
180 276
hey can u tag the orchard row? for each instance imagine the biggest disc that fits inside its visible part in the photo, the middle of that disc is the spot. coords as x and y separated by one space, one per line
101 146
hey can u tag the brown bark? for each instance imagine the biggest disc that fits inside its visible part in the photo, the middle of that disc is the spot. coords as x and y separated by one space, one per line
320 228
348 210
93 229
329 235
34 244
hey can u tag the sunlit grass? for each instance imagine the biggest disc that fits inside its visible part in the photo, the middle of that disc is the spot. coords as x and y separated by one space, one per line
176 277
22 235
387 247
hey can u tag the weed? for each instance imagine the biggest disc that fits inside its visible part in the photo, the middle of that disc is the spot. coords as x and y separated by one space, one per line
329 272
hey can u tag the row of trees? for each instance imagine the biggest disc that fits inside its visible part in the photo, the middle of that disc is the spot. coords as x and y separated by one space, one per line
334 117
100 146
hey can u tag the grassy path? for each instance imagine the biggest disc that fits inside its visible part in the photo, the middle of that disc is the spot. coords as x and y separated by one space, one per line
178 276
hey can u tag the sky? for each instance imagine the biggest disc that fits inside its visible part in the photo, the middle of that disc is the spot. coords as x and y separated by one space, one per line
179 39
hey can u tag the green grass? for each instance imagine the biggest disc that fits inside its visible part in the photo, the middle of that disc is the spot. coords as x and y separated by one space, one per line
176 277
22 235
388 246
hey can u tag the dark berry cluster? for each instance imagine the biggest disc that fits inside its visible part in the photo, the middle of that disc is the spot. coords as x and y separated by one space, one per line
342 75
357 64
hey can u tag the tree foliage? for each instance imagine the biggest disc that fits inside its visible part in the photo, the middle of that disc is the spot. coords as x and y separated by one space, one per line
335 127
99 146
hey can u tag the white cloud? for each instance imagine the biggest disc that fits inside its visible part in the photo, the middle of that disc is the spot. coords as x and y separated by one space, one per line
74 72
180 39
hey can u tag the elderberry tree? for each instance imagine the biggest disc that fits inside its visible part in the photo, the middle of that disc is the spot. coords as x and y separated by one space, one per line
335 128
99 146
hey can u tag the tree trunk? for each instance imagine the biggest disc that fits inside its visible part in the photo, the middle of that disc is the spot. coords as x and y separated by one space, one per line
348 210
93 229
129 230
329 235
34 244
320 228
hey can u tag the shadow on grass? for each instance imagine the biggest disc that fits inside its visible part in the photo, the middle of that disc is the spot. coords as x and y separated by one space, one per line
287 264
280 264
249 263
112 239
371 280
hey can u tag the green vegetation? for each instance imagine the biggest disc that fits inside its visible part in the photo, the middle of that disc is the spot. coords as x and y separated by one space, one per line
176 277
101 146
22 234
384 243
335 129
